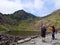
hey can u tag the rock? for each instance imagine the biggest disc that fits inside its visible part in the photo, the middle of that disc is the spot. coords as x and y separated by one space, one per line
49 41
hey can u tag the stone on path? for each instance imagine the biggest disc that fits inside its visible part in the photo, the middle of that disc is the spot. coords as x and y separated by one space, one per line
38 41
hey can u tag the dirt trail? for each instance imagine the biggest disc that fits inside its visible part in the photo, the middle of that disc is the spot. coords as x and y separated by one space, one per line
37 41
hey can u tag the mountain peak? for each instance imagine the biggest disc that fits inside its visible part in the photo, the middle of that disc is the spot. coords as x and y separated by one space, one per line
57 11
20 11
1 14
54 13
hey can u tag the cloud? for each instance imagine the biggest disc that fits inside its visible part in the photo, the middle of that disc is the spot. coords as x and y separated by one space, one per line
38 4
36 7
57 4
9 6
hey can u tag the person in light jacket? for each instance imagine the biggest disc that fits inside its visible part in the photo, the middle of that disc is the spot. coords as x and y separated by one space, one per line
53 30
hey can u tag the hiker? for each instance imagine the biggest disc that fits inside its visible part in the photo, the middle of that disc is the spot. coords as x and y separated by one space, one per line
43 32
52 28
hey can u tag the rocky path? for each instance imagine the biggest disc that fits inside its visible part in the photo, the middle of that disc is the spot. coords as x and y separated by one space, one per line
37 41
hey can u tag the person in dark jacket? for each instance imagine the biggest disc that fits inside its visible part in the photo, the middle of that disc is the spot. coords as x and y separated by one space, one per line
52 28
43 32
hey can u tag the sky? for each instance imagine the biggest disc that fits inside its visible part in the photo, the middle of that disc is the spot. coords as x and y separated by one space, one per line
36 7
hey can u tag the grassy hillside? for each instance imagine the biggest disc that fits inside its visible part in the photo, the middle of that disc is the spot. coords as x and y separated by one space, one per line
51 19
54 19
19 20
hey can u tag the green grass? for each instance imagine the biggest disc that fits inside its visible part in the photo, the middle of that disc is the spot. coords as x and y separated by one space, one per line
23 33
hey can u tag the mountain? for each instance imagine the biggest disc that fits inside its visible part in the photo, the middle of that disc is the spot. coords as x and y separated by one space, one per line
22 15
19 20
51 19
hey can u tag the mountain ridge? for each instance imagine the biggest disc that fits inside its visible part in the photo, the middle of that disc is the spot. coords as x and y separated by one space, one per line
52 19
21 20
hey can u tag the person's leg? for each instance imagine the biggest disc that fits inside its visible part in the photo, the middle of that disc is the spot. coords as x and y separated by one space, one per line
53 36
44 36
43 39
